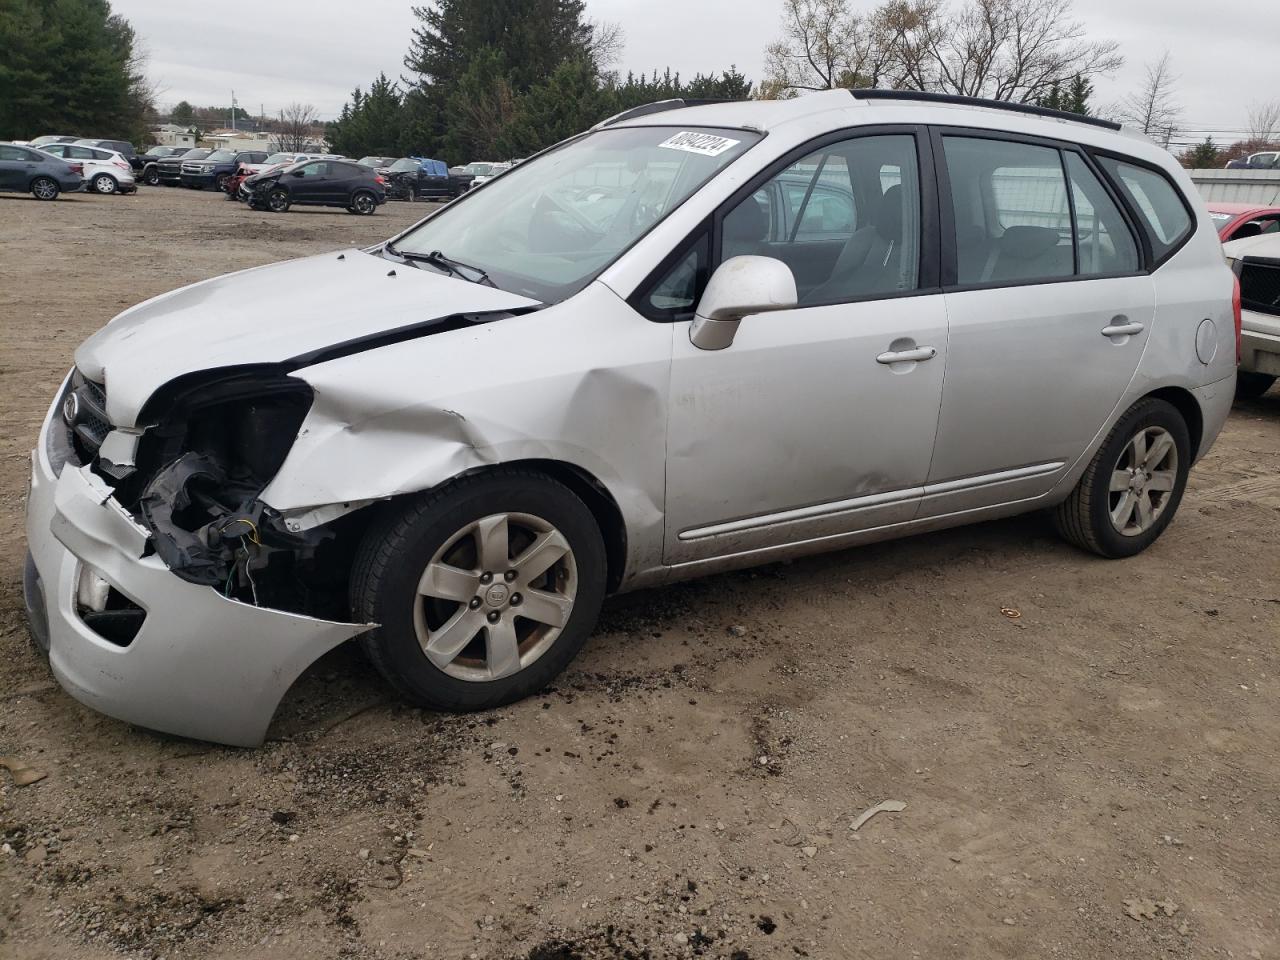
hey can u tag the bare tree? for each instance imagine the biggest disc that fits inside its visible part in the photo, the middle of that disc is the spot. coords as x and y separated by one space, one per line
824 45
296 128
1154 108
1264 122
607 42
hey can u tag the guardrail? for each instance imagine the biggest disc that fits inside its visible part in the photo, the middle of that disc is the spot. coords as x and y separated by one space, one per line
1239 186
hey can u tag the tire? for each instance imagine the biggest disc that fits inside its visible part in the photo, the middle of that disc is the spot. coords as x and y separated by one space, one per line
363 203
1086 518
442 529
278 201
105 184
221 182
45 188
1251 386
412 195
151 176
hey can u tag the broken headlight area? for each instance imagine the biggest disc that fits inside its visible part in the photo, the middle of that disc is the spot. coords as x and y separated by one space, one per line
212 445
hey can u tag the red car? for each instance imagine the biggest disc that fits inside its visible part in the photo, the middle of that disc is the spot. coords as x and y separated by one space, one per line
1235 221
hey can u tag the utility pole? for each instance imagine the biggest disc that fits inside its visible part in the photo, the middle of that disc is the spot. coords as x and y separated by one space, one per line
233 109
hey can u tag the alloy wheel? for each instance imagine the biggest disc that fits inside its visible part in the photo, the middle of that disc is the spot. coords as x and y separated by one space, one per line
363 204
1143 481
44 189
277 201
495 596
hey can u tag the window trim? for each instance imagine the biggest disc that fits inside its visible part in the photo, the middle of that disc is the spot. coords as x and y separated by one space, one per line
1155 263
950 275
927 280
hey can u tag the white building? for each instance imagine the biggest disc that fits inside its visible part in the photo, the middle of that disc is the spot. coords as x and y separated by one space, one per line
172 135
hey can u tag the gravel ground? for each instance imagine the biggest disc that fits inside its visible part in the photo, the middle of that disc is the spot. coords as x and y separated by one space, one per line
1094 778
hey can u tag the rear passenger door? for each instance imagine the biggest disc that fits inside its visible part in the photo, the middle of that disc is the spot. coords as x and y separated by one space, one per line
1049 309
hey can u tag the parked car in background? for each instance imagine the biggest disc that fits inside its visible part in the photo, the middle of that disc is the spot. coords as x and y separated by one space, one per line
551 391
415 178
495 170
169 169
1256 263
27 170
122 147
235 186
1267 160
105 170
318 183
150 171
1237 221
54 138
376 163
217 168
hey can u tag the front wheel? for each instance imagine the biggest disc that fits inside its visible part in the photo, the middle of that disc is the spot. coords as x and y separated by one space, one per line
363 203
151 176
412 195
221 182
45 188
484 590
1132 487
278 201
1251 386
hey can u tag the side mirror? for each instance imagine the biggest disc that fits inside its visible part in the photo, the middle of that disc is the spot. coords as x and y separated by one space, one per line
740 287
297 173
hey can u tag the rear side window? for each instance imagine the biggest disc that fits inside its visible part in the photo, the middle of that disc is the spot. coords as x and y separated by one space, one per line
1012 217
1104 245
1161 209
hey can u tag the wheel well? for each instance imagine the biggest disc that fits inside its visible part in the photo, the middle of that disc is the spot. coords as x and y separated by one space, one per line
1187 405
587 488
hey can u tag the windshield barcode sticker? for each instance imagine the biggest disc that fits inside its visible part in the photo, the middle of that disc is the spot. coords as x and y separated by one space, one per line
703 144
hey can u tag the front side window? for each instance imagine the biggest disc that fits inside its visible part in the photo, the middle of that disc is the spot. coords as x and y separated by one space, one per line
845 219
675 296
1160 207
547 227
312 171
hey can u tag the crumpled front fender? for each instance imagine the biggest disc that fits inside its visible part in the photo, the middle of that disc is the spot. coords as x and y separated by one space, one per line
583 383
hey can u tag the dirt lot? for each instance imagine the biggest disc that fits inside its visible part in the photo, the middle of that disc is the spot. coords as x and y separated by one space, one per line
688 788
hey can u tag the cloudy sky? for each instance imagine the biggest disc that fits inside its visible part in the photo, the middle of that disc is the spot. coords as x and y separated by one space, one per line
323 48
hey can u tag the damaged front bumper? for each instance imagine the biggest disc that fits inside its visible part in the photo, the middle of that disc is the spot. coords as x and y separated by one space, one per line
200 665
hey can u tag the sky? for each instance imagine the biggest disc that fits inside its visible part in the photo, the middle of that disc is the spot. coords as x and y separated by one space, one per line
1224 62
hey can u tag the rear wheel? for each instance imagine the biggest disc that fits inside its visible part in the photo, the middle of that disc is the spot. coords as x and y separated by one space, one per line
1132 487
363 203
105 184
278 201
484 590
1251 386
45 188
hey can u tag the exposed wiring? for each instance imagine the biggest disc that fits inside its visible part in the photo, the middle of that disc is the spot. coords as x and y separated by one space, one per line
253 587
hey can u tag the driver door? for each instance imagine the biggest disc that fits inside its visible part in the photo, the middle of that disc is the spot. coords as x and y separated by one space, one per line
308 183
816 422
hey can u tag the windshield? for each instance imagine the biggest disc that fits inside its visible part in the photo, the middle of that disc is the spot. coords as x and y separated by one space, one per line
404 166
548 227
371 161
279 158
221 156
196 154
478 169
159 151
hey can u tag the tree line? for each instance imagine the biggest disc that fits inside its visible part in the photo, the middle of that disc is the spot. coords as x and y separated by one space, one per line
70 66
494 79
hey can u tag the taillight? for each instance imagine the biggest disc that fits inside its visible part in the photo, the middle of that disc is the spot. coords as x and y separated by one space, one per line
77 168
1235 311
122 164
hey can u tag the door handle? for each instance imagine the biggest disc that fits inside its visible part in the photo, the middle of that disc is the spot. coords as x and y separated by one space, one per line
1122 327
918 355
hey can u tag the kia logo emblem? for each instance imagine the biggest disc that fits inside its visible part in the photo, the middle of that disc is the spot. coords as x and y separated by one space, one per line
71 408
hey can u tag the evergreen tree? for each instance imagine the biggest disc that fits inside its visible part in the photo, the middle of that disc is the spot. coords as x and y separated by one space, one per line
371 124
1203 156
183 114
69 66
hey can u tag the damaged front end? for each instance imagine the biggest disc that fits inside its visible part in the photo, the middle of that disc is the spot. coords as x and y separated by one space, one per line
210 445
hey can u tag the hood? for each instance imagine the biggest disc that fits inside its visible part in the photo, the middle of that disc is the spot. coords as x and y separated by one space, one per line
269 315
1265 245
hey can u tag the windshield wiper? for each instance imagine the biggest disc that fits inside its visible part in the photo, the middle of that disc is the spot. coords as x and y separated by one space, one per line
452 267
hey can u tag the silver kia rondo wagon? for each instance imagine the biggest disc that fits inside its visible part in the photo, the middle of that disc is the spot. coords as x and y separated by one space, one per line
696 337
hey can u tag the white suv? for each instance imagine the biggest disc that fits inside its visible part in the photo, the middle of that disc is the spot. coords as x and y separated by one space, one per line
106 171
688 340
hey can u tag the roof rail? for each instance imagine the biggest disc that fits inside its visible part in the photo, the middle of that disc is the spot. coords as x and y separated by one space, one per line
658 106
980 102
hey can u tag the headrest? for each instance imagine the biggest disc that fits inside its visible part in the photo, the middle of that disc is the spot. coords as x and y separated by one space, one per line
1028 243
748 221
888 215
